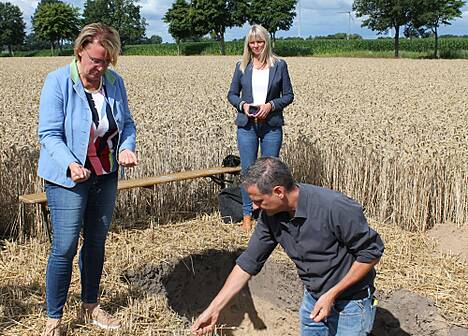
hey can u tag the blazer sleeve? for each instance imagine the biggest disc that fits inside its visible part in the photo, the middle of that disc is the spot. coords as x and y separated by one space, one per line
287 94
51 129
128 136
235 89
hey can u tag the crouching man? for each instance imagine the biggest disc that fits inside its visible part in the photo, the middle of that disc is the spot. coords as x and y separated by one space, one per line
327 236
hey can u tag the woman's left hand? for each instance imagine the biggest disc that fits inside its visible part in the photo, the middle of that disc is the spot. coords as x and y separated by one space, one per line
127 158
263 111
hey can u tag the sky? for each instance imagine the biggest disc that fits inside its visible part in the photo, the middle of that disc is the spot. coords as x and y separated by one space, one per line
314 17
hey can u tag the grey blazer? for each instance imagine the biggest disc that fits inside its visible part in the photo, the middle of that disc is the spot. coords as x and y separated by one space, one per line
280 92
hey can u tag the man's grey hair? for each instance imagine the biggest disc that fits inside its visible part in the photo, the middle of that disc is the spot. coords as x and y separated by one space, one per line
267 173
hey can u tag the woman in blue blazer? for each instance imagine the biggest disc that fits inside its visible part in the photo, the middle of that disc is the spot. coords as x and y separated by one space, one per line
85 131
260 90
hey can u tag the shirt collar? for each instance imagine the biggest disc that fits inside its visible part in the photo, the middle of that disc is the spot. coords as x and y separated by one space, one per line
301 209
75 77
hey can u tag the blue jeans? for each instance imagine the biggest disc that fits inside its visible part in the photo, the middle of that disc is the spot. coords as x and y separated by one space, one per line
248 140
348 318
88 206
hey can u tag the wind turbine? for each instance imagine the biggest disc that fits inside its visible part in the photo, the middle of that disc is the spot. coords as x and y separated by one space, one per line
350 17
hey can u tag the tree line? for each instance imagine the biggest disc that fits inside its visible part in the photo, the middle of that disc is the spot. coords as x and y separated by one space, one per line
55 22
415 17
188 20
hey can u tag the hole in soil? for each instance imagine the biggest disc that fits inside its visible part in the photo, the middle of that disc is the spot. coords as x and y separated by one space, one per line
267 306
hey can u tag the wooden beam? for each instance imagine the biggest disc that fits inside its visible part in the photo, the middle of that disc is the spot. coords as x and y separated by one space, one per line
145 182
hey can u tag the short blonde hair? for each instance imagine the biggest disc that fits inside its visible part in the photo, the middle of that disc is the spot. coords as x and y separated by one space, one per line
258 33
107 36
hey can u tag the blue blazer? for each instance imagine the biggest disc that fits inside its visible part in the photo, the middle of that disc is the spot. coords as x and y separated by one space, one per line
65 121
280 92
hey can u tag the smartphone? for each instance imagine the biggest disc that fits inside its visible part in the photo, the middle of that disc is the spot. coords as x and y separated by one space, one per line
253 109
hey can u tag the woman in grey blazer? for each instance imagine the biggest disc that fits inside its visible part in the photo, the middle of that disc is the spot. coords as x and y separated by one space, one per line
260 90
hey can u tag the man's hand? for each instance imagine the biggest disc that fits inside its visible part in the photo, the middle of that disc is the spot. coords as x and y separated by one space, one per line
205 323
78 173
323 307
324 304
127 158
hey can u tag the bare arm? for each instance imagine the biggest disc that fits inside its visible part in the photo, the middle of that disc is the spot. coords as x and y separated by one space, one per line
325 303
205 323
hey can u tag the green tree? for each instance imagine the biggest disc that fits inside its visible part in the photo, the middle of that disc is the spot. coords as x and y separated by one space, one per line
11 26
178 19
273 15
382 15
340 36
430 14
32 42
56 22
216 16
410 32
155 39
123 15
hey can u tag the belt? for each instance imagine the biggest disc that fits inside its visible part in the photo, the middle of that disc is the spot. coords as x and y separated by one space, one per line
359 295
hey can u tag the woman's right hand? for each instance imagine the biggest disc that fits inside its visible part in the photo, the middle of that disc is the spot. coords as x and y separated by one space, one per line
78 173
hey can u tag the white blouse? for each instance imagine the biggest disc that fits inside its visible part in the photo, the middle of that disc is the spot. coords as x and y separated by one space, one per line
260 85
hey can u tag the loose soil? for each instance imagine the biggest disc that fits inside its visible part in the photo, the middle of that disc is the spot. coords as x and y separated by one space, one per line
451 239
269 304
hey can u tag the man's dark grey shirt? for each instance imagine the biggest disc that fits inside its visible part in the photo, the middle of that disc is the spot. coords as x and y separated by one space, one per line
327 234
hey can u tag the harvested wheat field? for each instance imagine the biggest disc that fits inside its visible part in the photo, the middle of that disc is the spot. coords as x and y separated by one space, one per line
158 279
390 133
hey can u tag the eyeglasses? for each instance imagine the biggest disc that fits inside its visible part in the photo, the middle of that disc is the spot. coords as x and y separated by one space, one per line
97 61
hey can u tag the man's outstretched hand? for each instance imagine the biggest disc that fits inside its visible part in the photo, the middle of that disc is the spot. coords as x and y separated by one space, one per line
205 323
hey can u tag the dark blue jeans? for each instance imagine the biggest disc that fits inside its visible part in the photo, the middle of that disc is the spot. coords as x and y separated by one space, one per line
88 206
248 140
348 318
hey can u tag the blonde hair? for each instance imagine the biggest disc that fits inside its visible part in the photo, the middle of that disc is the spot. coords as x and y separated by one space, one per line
258 33
107 36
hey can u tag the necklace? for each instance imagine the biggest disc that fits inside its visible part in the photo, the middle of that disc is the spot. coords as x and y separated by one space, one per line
97 90
259 67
